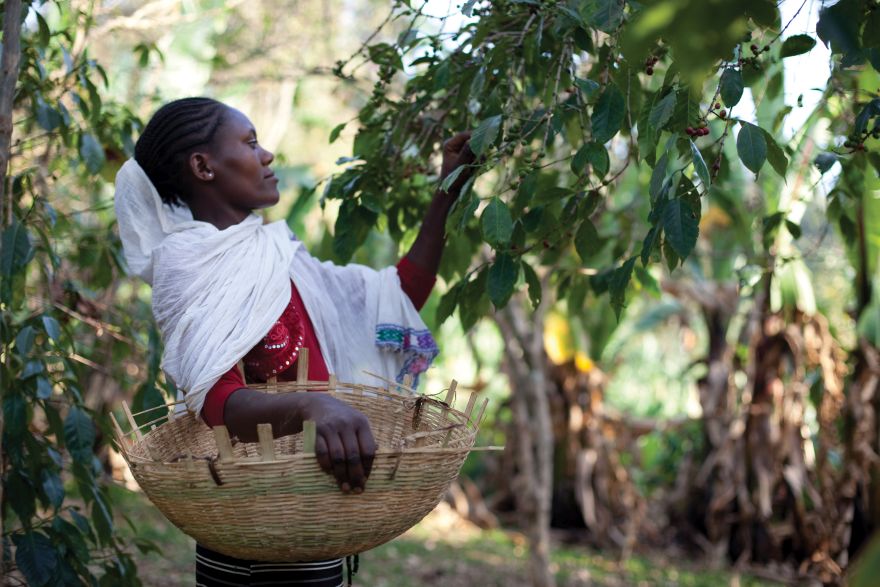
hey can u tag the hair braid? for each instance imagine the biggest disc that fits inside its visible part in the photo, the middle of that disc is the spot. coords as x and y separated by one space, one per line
168 139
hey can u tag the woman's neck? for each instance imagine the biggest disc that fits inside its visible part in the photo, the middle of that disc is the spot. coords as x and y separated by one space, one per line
221 216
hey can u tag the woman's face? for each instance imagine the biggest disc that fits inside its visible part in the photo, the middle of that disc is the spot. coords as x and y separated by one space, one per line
241 174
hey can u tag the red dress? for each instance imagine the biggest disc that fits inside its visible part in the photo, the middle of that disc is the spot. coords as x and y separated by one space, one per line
277 353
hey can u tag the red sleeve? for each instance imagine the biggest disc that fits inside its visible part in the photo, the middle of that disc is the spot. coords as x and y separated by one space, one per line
415 281
215 401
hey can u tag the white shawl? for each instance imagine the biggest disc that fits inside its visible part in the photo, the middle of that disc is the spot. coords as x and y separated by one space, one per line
216 293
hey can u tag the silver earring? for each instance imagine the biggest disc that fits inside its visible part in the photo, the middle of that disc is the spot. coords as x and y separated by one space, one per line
210 174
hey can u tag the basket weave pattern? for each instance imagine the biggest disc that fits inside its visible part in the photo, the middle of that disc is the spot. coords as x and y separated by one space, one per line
270 500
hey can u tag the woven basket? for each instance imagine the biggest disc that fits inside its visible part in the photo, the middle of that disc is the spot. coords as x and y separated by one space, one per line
270 500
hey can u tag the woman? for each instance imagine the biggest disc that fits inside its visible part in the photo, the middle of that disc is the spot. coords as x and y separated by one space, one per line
227 287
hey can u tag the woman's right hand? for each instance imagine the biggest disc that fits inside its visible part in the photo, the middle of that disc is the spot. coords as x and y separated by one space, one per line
344 443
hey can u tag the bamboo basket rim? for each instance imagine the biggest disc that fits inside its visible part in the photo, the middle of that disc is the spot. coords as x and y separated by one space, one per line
332 386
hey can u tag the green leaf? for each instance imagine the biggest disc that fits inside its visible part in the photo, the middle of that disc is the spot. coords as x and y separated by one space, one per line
352 228
496 223
44 388
31 368
662 111
608 114
485 134
16 250
658 177
47 117
775 155
700 166
839 24
502 277
797 45
15 415
24 340
43 30
870 110
473 303
587 241
617 285
732 86
52 487
337 130
587 86
672 258
650 242
751 147
52 328
825 161
534 284
102 519
462 211
92 153
681 226
447 304
594 154
605 15
687 110
35 557
79 435
451 178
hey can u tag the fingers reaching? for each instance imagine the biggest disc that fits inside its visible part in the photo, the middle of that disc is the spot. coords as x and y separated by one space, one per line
455 145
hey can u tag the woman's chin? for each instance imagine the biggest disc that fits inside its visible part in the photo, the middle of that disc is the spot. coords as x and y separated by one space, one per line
269 201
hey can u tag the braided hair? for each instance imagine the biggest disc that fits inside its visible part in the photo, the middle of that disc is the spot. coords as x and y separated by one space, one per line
172 134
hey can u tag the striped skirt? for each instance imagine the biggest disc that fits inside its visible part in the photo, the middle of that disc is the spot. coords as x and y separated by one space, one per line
214 570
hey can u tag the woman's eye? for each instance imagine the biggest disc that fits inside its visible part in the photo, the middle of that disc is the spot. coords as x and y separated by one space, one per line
253 143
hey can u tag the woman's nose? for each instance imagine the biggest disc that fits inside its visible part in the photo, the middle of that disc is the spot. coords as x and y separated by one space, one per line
268 157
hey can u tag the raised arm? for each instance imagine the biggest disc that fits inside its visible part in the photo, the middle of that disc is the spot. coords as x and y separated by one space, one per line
428 246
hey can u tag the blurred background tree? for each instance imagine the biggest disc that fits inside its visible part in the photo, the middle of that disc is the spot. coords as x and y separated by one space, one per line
664 271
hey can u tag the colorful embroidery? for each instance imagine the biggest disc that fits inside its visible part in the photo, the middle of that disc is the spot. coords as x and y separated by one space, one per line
418 346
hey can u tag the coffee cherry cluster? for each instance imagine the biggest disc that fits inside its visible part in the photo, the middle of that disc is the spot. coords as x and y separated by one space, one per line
855 146
700 131
650 62
718 111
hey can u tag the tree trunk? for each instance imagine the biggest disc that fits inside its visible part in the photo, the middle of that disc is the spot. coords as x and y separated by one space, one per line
8 80
526 366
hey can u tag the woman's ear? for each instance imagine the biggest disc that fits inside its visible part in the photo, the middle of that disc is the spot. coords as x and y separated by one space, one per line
200 167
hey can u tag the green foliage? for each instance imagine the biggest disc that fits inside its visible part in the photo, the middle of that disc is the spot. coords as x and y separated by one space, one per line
569 101
751 146
55 256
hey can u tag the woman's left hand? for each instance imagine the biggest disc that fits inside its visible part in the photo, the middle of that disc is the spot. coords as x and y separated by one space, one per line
457 152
